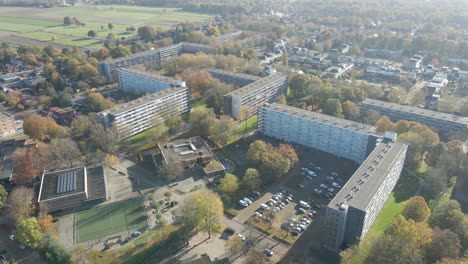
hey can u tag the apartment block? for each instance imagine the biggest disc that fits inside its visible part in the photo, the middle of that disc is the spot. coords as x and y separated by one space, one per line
355 207
340 137
7 125
140 83
238 79
254 95
440 121
109 68
351 213
148 111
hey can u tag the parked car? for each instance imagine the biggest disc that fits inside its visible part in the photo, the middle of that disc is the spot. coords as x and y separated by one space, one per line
331 190
256 194
323 186
334 174
317 168
242 237
259 190
294 233
304 204
258 214
318 191
309 178
243 203
264 206
301 210
300 186
336 185
248 201
12 237
330 178
329 195
341 181
269 252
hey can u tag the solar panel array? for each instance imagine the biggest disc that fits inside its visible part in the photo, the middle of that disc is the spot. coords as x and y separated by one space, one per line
66 182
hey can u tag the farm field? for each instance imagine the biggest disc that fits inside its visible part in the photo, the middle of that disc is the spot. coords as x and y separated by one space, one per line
46 24
109 219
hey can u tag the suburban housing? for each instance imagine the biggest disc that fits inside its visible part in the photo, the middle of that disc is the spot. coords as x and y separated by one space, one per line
353 210
7 125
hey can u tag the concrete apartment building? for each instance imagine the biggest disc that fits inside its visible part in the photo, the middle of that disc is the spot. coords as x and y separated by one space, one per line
70 188
140 83
145 112
351 213
238 79
340 137
7 125
440 121
109 68
354 209
254 95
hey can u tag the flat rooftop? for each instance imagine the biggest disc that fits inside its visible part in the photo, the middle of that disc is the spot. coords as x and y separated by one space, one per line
360 189
257 84
253 78
416 111
96 183
62 183
157 77
185 149
322 118
141 54
143 100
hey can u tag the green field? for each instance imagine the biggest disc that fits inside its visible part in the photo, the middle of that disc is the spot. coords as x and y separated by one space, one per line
109 219
43 23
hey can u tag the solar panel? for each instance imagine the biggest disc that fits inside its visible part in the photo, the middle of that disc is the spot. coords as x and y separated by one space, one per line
66 182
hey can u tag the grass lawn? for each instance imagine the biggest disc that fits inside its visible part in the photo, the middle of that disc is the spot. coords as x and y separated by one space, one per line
390 210
18 27
60 39
29 21
109 219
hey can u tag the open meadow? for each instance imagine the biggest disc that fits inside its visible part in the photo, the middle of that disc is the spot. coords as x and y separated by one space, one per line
46 24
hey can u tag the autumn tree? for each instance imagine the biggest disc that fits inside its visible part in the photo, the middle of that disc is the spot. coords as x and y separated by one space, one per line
332 106
173 121
29 232
448 215
147 32
54 252
65 152
81 127
28 163
418 233
351 110
220 130
229 184
250 180
198 81
106 139
203 119
288 151
3 196
97 103
111 160
416 209
445 244
203 211
41 128
234 245
46 223
273 165
257 149
395 250
20 203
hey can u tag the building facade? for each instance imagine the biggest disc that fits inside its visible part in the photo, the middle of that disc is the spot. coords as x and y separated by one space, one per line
351 213
140 83
7 125
238 79
148 111
254 95
440 121
340 137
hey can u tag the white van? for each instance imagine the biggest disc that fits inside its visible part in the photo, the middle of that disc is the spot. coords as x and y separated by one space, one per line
304 204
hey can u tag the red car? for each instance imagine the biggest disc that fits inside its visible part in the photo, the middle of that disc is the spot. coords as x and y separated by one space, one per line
306 216
259 190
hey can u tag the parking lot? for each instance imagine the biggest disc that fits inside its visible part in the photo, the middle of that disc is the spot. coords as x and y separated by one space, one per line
299 200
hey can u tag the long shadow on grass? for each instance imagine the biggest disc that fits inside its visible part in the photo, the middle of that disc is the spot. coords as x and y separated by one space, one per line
406 188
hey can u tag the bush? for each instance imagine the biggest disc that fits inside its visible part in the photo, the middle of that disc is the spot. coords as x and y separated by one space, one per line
168 194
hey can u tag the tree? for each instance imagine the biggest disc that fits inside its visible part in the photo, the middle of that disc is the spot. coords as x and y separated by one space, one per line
20 203
28 163
29 232
433 183
110 26
81 127
66 152
204 211
445 244
234 245
273 165
173 121
285 58
120 51
111 160
198 81
397 250
67 20
63 99
250 180
254 256
299 85
46 223
203 119
397 96
288 151
257 149
3 196
384 124
215 101
54 252
221 130
171 170
416 209
448 215
351 110
332 106
418 233
92 33
41 128
229 184
97 103
158 131
147 33
110 37
106 139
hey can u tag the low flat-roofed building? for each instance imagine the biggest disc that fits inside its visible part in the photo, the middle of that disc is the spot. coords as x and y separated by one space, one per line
140 83
7 125
192 153
442 122
235 78
70 188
